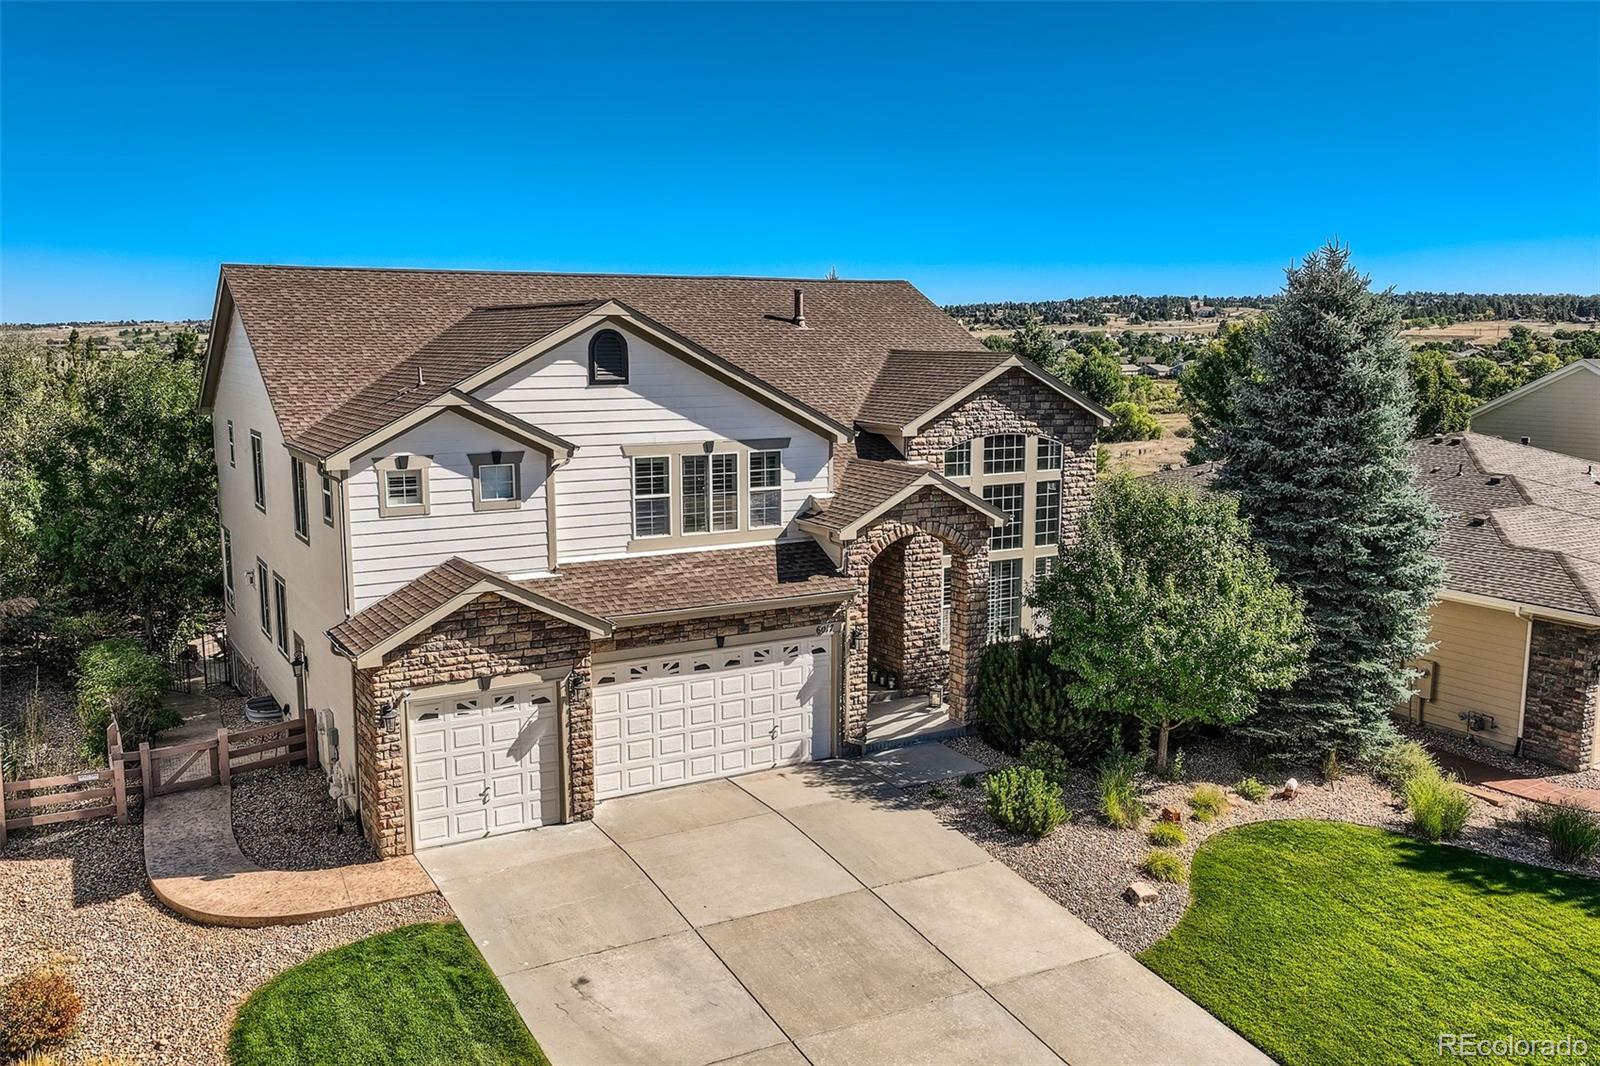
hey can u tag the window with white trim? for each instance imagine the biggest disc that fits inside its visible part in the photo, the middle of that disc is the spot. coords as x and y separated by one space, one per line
1048 454
230 443
652 496
766 489
958 460
258 471
497 481
1008 499
402 488
1005 453
724 491
227 564
710 492
696 477
264 598
280 601
327 500
1047 513
302 506
1005 599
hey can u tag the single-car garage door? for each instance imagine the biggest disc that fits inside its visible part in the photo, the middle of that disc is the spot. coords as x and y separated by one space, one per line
482 764
670 720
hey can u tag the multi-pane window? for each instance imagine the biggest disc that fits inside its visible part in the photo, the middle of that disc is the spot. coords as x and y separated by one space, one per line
327 499
724 491
264 597
1005 599
230 443
258 470
227 564
1008 499
1049 454
280 601
497 481
1005 453
302 506
403 488
958 460
696 493
766 494
710 492
944 608
652 496
1044 566
1047 513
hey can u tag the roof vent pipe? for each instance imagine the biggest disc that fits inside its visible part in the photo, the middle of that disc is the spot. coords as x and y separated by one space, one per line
800 309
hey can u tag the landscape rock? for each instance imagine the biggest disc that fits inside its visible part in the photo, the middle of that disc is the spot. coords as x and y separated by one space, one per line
1172 814
1291 789
1140 893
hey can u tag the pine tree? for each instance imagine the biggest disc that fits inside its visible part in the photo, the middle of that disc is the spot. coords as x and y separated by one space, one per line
1319 455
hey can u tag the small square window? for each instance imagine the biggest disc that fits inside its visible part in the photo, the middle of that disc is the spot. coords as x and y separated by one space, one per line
958 460
1005 453
403 488
497 481
1049 454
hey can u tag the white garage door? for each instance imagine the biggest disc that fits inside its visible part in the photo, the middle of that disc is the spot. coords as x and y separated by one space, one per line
482 765
672 720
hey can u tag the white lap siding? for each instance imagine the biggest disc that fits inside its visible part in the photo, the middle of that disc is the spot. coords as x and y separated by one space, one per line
666 401
388 552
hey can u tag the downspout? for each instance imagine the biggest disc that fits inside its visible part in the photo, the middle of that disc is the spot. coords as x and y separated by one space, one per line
1527 662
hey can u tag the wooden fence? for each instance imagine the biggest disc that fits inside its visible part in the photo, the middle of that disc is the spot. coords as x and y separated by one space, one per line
152 772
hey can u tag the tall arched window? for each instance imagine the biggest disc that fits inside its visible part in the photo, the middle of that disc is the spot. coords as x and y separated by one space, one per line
608 358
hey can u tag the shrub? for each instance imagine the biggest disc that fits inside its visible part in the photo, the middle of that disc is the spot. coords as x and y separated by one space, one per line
1332 768
938 793
37 1009
1251 789
1438 806
1022 697
1174 770
1167 835
119 678
1207 802
71 635
1165 866
1574 834
969 780
1024 800
1403 760
1045 757
1119 796
1131 420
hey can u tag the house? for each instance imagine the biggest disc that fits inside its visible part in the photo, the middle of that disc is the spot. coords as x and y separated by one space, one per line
1155 370
1559 412
526 542
1516 630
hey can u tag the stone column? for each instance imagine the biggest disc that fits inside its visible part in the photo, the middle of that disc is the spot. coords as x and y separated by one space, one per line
925 664
580 741
1563 694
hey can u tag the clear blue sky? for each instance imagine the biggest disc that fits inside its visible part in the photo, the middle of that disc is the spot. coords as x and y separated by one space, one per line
982 151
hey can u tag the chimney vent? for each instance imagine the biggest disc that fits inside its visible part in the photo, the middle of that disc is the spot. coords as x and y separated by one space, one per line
800 309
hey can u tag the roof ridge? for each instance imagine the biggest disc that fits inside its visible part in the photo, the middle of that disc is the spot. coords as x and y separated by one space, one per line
529 307
560 273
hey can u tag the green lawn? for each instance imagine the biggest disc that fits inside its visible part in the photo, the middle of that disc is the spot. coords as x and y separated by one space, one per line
419 996
1329 943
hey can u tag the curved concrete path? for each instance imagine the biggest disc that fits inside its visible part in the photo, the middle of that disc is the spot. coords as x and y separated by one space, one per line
196 868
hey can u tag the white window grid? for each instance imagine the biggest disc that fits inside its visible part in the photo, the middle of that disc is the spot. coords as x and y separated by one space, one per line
652 496
1008 499
766 492
403 488
497 481
958 460
1005 599
1048 454
1005 453
1047 513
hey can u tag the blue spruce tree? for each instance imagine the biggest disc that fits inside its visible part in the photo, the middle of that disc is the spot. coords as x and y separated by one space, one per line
1319 455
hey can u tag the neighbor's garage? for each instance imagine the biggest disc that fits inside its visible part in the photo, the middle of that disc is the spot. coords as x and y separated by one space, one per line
671 720
483 764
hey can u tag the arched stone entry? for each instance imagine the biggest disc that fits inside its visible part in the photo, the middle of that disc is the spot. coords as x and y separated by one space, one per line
912 535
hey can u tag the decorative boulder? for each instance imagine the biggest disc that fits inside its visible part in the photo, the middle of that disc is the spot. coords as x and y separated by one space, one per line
1171 814
1140 893
1291 789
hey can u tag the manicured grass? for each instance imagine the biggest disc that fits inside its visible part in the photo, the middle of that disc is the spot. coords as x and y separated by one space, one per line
419 996
1324 943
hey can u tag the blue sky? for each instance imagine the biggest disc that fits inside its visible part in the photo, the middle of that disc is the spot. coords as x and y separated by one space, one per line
984 152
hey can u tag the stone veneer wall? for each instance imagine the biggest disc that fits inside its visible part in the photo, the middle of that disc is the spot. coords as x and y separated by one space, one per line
886 612
1563 695
489 637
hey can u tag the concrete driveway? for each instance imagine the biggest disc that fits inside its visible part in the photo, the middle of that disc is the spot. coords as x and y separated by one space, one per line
811 913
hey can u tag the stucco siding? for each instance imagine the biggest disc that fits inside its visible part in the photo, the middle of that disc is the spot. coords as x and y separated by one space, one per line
1481 655
1563 416
666 401
387 552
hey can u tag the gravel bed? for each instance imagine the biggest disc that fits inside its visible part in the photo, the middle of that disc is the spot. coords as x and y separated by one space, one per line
1463 745
157 988
1085 865
60 750
284 820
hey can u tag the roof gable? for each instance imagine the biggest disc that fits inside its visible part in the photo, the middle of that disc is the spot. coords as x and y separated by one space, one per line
1580 366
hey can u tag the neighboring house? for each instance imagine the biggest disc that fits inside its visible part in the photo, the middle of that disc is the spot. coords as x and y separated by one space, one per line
1516 631
538 540
1559 412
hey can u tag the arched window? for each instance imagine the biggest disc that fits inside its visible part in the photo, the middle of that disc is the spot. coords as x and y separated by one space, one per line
608 359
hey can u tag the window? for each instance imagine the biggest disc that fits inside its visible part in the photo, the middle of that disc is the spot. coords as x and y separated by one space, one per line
958 460
403 488
944 610
766 492
280 602
696 494
724 491
230 443
1007 498
327 500
608 358
1006 453
497 481
264 598
1005 599
258 471
1043 567
652 496
302 507
710 492
1047 512
403 484
1049 454
227 564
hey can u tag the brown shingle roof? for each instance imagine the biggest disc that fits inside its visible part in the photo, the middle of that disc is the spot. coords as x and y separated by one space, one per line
864 485
323 335
407 605
912 383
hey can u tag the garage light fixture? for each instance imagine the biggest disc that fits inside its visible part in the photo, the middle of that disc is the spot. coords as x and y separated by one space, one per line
576 686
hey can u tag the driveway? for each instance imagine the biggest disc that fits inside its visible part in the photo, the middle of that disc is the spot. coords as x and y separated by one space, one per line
810 913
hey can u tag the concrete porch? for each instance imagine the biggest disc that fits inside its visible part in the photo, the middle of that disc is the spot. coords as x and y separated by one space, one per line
896 718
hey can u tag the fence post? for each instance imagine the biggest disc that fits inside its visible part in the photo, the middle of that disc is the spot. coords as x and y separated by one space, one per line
147 770
224 760
307 721
119 772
